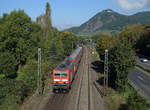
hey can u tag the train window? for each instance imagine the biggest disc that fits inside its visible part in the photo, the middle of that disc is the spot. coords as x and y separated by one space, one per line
57 75
61 74
64 75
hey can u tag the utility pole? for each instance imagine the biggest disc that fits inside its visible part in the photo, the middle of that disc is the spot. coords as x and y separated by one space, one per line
39 71
72 45
106 71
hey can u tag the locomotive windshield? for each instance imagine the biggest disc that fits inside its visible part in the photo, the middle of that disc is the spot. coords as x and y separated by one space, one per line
61 74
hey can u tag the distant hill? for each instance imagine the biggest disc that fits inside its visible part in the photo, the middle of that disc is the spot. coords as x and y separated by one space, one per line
110 21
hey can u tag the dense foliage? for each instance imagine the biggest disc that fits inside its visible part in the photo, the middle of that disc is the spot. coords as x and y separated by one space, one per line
123 49
119 63
139 38
136 102
20 38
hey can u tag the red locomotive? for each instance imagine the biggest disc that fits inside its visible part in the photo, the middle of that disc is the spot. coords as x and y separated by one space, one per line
64 73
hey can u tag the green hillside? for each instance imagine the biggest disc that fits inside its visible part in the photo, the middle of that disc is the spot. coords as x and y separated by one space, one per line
110 21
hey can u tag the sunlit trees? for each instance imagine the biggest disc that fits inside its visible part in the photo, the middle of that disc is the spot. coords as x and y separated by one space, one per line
105 42
18 36
19 39
139 37
133 33
69 42
119 62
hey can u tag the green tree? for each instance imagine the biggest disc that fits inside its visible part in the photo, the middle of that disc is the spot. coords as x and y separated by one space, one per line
120 64
16 36
105 42
28 75
53 52
69 41
7 65
136 102
134 34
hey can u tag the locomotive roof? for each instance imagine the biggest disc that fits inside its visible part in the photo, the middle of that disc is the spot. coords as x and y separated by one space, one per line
64 65
75 53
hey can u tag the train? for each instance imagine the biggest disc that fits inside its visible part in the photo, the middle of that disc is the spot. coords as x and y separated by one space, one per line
64 73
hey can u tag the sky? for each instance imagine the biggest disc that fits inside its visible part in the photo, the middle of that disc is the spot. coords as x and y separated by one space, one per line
69 13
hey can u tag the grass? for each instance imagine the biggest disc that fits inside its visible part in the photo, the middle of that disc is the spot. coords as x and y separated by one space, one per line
2 75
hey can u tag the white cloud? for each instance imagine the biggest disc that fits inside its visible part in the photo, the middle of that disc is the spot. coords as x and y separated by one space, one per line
133 4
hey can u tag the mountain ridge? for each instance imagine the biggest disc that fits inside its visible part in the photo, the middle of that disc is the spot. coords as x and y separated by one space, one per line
109 20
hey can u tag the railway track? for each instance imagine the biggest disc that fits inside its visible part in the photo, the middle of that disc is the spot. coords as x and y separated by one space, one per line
78 103
59 101
85 74
89 91
80 97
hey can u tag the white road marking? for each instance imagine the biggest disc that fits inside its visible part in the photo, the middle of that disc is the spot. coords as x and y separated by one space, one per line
147 64
140 77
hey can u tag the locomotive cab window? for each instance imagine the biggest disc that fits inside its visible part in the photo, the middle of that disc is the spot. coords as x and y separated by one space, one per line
57 74
61 74
64 74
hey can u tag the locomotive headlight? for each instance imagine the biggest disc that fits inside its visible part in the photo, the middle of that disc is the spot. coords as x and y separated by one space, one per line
56 79
64 79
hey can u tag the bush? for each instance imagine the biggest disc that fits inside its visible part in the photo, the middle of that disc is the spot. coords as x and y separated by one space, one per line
12 93
136 102
8 64
28 74
10 103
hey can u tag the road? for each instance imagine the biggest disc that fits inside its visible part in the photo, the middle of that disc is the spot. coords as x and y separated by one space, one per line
141 81
83 94
144 65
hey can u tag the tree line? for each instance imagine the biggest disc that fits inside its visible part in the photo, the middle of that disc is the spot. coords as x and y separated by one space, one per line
20 38
123 49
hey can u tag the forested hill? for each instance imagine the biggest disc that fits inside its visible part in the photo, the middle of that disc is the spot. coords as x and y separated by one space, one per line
109 20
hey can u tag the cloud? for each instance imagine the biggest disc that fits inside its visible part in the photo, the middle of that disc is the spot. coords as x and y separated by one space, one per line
133 4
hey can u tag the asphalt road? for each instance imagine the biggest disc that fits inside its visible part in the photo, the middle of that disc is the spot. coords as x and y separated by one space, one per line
144 65
141 81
